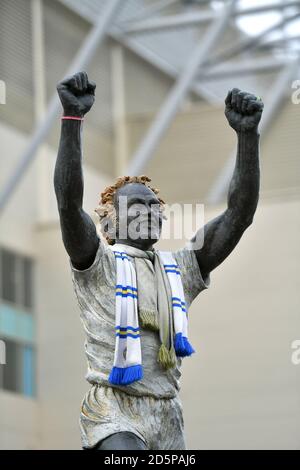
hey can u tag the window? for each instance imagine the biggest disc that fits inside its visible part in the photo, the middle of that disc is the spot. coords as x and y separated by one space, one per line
16 279
18 373
8 276
26 267
17 323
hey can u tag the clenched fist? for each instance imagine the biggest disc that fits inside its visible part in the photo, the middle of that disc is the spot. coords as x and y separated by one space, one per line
77 94
243 110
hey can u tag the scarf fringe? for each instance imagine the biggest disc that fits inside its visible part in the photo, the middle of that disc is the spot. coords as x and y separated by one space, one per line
125 375
148 320
182 346
167 358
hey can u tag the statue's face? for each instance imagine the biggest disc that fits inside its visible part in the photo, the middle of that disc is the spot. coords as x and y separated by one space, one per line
139 216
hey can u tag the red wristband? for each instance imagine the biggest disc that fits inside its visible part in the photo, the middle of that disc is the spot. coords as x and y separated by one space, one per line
72 118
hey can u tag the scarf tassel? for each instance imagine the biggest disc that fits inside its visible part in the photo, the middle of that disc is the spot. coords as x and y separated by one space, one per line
182 346
167 358
125 375
148 320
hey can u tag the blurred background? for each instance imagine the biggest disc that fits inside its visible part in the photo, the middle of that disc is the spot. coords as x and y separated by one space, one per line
163 69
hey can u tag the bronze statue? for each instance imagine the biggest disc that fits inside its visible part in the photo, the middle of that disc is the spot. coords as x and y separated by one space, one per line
134 369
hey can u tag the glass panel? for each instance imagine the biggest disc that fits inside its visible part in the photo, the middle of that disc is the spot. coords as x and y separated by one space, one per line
27 283
15 324
16 275
18 374
8 276
28 371
25 327
8 321
12 371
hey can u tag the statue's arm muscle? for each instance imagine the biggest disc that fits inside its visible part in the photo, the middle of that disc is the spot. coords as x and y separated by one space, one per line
222 234
78 230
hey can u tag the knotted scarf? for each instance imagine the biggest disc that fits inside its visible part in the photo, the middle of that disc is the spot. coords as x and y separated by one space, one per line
135 291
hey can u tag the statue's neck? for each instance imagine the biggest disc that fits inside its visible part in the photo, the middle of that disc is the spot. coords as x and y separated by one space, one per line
144 245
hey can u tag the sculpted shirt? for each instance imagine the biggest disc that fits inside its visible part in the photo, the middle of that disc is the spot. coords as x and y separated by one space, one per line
95 291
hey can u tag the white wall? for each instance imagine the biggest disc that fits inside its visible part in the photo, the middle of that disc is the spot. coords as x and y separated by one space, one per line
61 360
20 422
33 423
17 220
241 389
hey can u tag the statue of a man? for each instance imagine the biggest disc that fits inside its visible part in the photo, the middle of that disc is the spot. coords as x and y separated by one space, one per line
133 298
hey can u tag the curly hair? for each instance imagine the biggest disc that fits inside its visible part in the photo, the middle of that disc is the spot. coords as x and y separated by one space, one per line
106 209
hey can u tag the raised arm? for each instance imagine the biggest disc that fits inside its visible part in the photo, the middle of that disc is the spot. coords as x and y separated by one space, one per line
79 234
221 235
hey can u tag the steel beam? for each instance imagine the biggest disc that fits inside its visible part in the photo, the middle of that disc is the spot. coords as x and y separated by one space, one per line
248 67
169 109
198 18
82 59
170 21
197 87
250 43
151 10
274 99
278 42
132 43
158 62
119 109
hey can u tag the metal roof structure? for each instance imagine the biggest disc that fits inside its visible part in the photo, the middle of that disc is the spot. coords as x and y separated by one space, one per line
200 44
163 32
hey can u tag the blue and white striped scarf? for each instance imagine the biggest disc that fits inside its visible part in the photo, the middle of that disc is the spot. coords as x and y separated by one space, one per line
173 323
